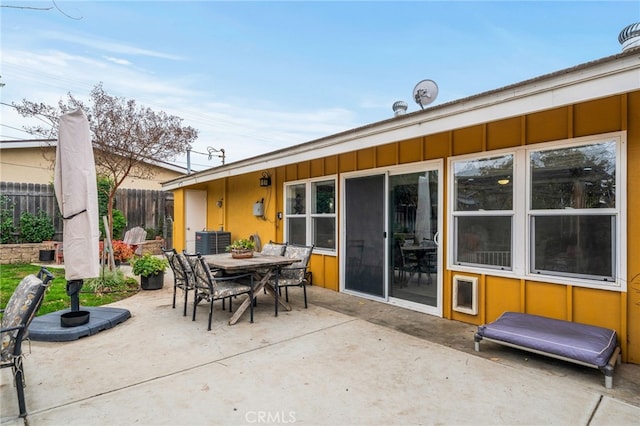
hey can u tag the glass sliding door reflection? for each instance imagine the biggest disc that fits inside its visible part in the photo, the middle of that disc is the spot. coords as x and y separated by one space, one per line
413 249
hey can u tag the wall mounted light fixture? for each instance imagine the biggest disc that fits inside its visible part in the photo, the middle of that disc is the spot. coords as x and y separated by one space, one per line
265 180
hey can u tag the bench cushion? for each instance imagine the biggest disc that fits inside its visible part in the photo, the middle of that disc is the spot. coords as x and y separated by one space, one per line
580 342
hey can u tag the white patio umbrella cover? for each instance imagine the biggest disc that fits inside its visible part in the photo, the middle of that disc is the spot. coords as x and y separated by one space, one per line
77 194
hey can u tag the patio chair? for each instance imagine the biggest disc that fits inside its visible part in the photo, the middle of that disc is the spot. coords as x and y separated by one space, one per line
211 288
182 276
272 249
135 237
405 264
16 317
294 275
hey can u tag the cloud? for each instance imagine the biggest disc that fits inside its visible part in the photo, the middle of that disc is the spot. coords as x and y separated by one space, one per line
117 60
108 46
243 127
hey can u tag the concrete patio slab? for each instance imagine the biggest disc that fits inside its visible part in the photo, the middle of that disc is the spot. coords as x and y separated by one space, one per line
345 360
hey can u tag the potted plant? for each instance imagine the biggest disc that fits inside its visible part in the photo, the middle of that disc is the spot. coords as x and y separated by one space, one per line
241 249
151 270
47 251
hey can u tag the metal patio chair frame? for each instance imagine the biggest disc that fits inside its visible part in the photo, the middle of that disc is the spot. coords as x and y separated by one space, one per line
294 275
16 318
209 287
182 275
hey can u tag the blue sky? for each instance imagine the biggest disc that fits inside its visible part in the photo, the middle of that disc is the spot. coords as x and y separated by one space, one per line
254 77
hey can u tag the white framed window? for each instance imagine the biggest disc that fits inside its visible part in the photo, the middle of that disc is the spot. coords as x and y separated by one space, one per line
560 217
573 212
483 211
310 213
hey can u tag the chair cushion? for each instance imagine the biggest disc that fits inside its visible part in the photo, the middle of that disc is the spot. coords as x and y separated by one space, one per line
291 274
294 274
25 295
298 252
273 249
289 282
229 288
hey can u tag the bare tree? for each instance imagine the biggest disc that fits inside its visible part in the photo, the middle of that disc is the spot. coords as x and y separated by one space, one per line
55 5
125 136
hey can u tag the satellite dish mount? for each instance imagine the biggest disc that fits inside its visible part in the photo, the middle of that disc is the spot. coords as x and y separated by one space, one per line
425 92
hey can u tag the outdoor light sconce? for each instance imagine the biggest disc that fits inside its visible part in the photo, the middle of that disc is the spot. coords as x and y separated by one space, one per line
265 180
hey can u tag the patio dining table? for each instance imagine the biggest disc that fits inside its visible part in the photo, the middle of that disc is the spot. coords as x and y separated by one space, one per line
262 266
424 256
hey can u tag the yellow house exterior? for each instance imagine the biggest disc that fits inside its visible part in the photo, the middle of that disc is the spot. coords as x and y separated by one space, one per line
515 128
32 161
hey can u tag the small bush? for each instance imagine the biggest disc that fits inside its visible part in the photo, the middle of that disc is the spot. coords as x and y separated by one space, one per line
152 233
7 228
36 228
119 224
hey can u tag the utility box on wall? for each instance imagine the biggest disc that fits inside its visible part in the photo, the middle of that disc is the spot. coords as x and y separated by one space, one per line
258 209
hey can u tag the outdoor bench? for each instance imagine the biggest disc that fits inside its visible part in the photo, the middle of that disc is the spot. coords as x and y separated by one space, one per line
582 344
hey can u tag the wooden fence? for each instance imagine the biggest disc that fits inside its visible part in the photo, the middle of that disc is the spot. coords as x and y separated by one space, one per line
146 208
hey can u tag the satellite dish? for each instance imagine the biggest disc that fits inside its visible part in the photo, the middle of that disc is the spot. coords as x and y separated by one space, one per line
425 92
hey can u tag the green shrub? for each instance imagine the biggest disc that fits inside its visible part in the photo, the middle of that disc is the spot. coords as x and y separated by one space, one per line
119 221
7 228
152 233
104 187
36 228
119 224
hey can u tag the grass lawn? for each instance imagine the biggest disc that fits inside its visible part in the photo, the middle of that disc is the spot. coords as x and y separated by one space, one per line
96 292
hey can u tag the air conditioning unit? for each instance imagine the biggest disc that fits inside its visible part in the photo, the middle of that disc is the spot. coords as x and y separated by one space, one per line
212 242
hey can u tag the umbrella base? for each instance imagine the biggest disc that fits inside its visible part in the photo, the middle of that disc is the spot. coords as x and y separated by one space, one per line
48 328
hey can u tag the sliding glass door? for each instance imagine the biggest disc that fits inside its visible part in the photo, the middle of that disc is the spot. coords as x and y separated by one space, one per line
390 236
413 272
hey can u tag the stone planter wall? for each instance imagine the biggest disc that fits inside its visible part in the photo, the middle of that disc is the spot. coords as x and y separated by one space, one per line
29 253
21 253
153 246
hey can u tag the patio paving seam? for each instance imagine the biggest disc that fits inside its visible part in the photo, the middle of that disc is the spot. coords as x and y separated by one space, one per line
595 409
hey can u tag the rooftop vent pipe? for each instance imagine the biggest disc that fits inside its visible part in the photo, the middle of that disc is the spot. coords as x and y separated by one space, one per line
629 37
399 108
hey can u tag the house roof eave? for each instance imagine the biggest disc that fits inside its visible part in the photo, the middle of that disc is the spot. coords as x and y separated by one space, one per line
596 79
52 143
